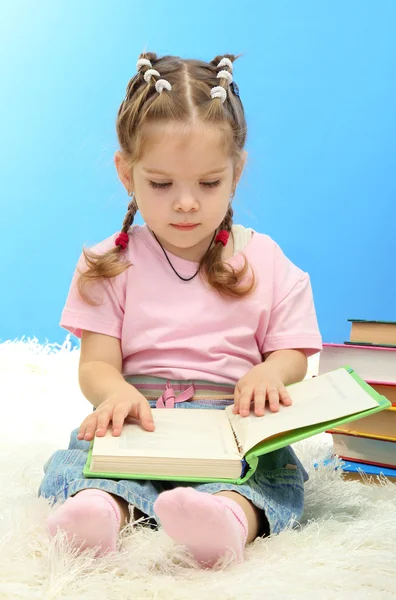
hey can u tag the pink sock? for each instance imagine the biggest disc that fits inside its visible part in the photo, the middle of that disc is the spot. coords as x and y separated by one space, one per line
90 518
210 526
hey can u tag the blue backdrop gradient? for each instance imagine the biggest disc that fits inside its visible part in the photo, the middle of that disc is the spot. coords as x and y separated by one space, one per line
319 87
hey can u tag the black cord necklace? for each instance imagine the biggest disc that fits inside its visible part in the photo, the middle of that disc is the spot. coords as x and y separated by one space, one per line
167 258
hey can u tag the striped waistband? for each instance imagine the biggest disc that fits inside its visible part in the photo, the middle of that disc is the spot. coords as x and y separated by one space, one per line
153 387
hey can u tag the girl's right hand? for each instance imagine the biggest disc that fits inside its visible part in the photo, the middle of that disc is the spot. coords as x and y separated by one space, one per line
123 403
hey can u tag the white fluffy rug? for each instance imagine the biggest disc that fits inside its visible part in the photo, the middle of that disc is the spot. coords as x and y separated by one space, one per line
345 546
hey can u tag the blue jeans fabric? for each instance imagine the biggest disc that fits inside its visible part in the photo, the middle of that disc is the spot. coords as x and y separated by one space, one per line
274 488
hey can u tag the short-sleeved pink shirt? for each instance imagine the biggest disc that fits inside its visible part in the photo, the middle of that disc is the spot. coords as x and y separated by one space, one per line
185 330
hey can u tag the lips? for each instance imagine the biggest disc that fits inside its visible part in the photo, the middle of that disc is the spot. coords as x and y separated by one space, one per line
184 226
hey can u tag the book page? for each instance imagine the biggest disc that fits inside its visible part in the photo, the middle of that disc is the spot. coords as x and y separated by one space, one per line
316 400
186 433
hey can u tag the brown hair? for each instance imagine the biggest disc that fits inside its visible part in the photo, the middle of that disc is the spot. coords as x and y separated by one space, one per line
190 98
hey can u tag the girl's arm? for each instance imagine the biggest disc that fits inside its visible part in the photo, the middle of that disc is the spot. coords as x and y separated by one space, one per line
102 383
100 367
290 365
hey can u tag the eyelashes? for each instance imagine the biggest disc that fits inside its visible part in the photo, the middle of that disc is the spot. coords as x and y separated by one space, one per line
164 186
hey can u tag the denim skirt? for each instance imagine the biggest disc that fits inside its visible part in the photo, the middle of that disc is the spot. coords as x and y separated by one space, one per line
276 487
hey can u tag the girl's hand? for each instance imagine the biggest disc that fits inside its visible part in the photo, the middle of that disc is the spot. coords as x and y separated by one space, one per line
259 385
125 402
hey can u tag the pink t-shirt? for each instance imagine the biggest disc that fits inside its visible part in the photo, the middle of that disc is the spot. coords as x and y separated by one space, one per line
185 330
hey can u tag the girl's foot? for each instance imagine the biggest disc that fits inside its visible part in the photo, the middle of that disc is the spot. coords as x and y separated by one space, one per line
210 526
90 518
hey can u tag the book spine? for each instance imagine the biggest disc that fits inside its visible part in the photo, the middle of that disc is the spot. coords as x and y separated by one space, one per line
368 462
360 434
350 345
371 345
370 321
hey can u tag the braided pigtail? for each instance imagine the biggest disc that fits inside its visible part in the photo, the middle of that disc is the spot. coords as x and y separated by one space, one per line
222 276
110 263
224 67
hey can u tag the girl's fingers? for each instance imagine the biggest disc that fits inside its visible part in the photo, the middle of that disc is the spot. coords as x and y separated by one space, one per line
118 419
235 409
81 433
146 417
90 430
284 396
103 421
85 427
259 401
273 399
245 400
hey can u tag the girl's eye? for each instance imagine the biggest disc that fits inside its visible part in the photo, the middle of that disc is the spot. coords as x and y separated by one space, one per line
206 184
211 184
157 185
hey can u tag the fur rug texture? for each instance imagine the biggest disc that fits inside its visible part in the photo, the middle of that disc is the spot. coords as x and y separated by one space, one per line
344 546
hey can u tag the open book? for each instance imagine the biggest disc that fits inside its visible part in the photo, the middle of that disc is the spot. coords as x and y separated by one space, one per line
217 445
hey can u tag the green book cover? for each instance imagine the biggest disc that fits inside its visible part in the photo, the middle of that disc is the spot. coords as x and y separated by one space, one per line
371 321
250 460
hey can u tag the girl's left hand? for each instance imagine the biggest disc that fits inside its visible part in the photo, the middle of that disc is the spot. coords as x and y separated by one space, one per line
259 385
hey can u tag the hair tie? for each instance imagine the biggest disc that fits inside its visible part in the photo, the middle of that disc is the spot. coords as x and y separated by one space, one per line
225 75
225 62
219 92
143 62
149 74
161 84
122 240
222 237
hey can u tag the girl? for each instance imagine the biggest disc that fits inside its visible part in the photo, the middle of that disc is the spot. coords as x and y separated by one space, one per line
189 311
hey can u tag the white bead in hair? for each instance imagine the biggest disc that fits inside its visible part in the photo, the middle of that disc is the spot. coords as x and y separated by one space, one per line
143 62
225 75
149 74
161 84
225 62
219 92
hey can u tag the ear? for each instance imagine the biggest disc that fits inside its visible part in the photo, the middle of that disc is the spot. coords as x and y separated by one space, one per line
239 168
123 170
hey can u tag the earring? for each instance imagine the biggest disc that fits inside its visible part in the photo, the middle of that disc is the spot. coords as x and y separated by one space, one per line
130 193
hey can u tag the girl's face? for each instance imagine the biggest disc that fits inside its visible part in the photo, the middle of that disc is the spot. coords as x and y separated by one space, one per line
184 178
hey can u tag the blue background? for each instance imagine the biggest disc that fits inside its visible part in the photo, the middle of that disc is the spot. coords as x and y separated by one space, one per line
318 82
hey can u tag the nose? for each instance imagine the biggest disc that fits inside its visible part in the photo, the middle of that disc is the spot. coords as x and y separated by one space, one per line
186 202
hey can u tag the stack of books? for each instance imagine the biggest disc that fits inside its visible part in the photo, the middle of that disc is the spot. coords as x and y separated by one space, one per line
367 445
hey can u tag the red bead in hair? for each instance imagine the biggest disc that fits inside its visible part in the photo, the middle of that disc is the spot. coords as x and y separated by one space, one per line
222 237
122 240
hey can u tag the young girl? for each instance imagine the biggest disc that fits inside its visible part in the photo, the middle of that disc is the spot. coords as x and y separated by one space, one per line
187 311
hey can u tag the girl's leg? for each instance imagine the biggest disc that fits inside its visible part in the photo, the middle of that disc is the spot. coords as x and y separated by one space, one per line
123 508
253 514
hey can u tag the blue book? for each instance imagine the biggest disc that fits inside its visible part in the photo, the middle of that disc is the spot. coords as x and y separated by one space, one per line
352 469
355 467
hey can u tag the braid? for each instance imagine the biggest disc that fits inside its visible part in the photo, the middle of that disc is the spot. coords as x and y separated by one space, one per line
224 68
130 215
222 276
150 74
107 265
227 222
225 81
136 81
122 239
